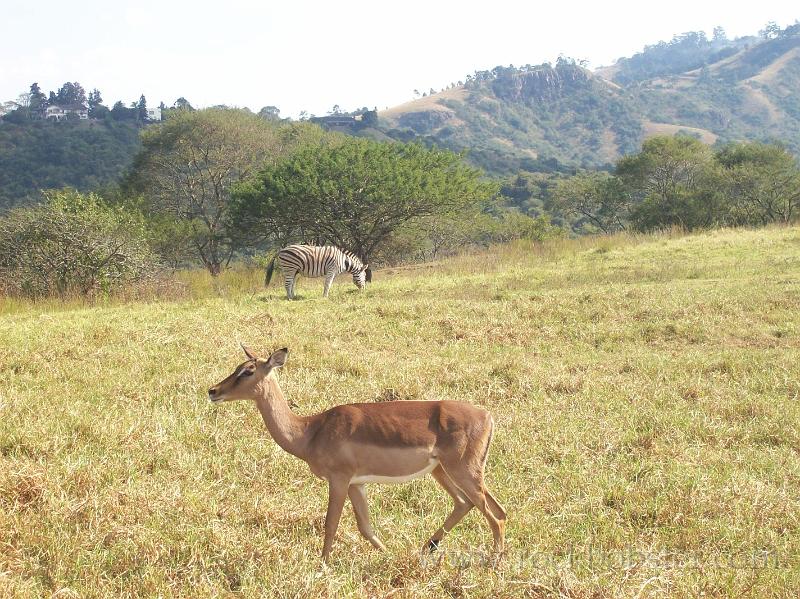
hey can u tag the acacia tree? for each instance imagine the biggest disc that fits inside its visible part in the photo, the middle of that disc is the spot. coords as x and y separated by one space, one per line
187 166
673 181
763 180
355 193
596 197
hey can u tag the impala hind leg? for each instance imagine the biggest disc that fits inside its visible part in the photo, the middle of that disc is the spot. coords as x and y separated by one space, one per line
358 498
461 507
471 484
494 505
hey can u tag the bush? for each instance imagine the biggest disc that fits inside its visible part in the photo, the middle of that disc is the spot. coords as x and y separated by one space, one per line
73 244
446 235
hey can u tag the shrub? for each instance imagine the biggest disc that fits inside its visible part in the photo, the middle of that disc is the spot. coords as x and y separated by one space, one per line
72 244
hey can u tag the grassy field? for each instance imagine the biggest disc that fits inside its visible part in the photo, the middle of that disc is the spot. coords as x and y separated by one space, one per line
646 393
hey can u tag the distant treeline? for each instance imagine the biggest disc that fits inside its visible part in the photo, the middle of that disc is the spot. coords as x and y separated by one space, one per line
211 186
681 182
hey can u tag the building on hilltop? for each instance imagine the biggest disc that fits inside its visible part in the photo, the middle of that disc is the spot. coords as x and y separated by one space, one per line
335 120
154 114
60 113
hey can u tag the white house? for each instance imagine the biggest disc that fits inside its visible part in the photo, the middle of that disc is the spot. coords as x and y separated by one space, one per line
154 114
60 113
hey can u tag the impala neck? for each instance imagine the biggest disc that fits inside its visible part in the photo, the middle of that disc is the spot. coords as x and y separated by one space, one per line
288 429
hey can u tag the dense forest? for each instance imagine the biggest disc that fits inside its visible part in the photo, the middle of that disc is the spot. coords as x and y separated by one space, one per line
83 155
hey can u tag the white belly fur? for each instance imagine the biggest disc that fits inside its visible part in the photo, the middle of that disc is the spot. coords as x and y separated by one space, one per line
370 478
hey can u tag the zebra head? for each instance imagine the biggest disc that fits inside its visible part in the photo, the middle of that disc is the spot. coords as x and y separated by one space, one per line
360 277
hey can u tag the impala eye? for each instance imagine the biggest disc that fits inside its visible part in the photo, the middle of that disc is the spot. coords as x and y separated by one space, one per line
245 372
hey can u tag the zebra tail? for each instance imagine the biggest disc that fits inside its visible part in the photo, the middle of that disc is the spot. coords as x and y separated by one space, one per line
270 270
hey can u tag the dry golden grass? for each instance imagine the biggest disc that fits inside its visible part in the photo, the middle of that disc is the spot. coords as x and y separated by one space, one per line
646 392
769 73
430 102
651 129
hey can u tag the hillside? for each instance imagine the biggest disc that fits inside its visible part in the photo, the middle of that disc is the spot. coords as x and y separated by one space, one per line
645 392
42 155
530 118
752 94
536 118
539 117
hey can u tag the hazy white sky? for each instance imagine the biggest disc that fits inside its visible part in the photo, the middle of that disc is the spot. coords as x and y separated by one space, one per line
304 55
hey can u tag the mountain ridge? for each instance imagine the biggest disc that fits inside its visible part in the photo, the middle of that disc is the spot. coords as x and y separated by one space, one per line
534 117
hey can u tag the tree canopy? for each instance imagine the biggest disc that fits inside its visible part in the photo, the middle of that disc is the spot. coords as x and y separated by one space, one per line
188 164
354 193
679 181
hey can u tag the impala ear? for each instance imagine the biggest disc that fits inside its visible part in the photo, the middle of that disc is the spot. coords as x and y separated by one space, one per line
278 358
247 352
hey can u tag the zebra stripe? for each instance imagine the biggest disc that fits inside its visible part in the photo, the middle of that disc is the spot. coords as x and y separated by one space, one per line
316 261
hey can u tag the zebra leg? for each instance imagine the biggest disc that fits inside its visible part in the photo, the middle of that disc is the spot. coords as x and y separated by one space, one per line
288 282
328 282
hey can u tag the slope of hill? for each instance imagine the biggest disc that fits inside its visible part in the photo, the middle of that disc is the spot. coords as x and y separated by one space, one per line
537 118
753 94
531 118
41 155
644 392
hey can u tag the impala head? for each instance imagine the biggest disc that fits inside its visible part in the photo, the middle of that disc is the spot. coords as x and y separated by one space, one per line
247 376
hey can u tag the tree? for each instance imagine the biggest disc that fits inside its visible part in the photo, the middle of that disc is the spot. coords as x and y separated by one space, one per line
763 181
673 181
186 168
119 112
369 118
141 109
771 30
270 113
71 93
24 100
355 193
7 107
95 101
182 103
596 197
38 99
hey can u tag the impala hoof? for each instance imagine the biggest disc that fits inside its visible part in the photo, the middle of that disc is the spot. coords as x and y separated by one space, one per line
433 545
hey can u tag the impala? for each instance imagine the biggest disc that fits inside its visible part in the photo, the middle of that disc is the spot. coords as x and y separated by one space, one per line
392 442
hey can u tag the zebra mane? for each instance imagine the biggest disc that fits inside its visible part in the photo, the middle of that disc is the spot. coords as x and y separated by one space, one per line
352 257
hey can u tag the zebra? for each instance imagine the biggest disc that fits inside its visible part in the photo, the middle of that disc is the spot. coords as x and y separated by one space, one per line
316 261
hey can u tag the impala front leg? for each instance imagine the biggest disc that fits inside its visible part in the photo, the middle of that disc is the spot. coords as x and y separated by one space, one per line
337 492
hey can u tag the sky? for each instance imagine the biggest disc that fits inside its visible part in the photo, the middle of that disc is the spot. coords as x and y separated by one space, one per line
309 56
